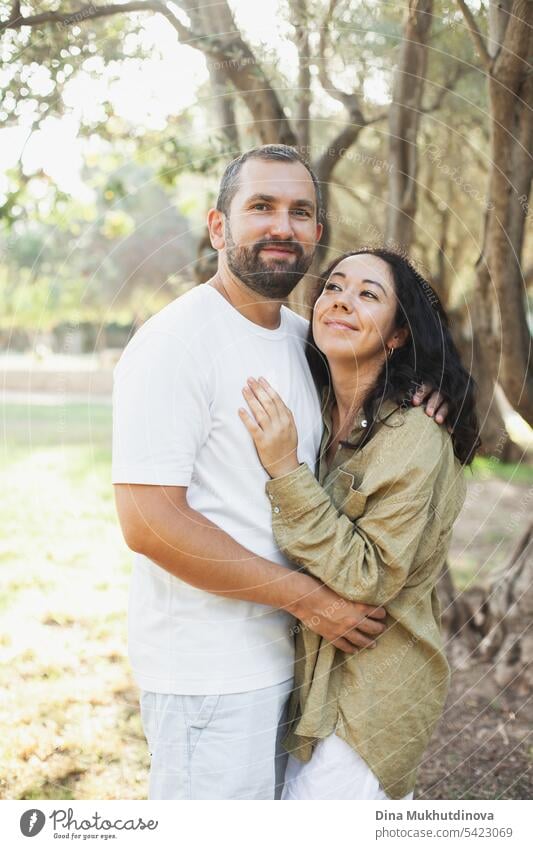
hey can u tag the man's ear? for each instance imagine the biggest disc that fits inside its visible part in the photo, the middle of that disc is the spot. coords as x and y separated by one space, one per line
319 231
215 225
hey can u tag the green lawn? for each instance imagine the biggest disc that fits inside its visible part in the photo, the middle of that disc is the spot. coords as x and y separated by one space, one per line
68 713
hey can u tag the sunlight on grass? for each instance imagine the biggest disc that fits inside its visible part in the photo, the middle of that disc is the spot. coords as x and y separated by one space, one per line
68 702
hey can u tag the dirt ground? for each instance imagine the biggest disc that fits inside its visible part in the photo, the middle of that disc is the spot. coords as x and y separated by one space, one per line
483 746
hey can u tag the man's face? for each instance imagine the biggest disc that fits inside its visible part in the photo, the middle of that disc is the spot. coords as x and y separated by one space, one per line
271 231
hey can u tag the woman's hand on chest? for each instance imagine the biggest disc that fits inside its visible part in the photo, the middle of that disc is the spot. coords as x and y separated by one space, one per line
271 425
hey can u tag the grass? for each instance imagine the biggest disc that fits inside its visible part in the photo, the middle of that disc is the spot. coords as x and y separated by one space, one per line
62 424
485 468
68 710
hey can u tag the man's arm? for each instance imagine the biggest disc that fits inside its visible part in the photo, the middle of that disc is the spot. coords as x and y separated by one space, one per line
157 521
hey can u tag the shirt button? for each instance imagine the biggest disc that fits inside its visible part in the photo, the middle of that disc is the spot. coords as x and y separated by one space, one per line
364 423
276 509
271 496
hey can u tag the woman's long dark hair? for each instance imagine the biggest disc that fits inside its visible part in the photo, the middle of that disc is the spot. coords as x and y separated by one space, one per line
428 356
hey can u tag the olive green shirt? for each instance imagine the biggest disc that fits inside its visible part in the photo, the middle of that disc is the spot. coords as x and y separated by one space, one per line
375 528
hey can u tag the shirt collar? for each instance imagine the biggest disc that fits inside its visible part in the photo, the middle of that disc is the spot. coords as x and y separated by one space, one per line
389 411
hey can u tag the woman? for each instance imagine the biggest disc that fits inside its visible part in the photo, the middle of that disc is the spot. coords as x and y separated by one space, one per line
375 526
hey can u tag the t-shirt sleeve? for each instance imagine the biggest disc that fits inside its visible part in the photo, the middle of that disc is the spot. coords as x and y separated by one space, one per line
160 411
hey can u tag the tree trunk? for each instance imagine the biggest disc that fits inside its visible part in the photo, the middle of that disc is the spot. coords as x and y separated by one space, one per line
496 441
300 20
510 183
324 167
202 22
223 44
508 622
224 98
499 305
496 624
404 122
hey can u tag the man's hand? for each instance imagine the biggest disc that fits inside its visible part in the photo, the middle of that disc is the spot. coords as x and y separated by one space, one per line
436 406
346 624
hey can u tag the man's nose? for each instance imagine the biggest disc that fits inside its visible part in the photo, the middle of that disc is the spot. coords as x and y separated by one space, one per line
281 225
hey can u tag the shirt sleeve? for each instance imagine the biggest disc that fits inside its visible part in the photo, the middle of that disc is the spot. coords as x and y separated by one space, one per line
161 412
367 559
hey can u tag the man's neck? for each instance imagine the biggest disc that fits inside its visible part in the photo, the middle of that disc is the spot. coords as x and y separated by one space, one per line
254 307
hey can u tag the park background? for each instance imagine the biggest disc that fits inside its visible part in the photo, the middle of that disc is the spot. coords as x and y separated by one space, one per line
116 121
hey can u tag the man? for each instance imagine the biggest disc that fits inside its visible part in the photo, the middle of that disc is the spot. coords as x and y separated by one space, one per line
212 599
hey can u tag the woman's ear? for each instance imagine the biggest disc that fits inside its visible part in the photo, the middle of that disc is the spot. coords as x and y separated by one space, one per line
400 338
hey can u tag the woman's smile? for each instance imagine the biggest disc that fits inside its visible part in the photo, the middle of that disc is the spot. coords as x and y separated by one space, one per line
338 324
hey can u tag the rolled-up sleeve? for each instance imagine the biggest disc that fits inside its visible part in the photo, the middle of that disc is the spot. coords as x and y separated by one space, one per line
367 559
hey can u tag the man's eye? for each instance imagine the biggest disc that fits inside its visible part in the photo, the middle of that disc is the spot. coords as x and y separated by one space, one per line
302 213
260 206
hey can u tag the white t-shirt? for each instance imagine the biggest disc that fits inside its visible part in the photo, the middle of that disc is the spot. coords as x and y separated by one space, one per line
176 396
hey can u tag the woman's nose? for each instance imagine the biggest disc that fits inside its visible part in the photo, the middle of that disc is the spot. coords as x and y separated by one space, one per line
341 303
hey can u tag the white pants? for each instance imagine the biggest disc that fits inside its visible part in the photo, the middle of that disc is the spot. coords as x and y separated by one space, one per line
335 771
216 747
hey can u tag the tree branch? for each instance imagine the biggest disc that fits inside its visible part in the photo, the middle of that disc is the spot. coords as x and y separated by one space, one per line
15 10
445 89
349 100
511 61
225 47
91 12
219 38
476 36
300 21
335 150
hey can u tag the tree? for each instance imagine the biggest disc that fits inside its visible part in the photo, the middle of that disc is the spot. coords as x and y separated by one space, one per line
499 313
495 623
338 43
404 121
118 256
232 63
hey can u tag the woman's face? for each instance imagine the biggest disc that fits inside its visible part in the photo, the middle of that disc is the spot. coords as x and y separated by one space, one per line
354 315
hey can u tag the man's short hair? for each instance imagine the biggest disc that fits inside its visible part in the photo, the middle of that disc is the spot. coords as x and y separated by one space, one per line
269 152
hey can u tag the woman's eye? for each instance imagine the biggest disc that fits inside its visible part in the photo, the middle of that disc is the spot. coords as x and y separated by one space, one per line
332 286
368 292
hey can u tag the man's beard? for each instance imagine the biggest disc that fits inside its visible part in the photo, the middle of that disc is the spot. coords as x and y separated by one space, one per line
273 279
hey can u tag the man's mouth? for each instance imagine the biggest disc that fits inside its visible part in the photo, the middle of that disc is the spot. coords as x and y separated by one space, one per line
279 250
276 251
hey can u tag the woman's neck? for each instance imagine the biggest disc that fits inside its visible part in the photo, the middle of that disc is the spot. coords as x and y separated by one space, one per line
351 385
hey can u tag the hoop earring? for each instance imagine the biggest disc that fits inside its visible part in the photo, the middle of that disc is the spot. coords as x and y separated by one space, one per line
390 352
